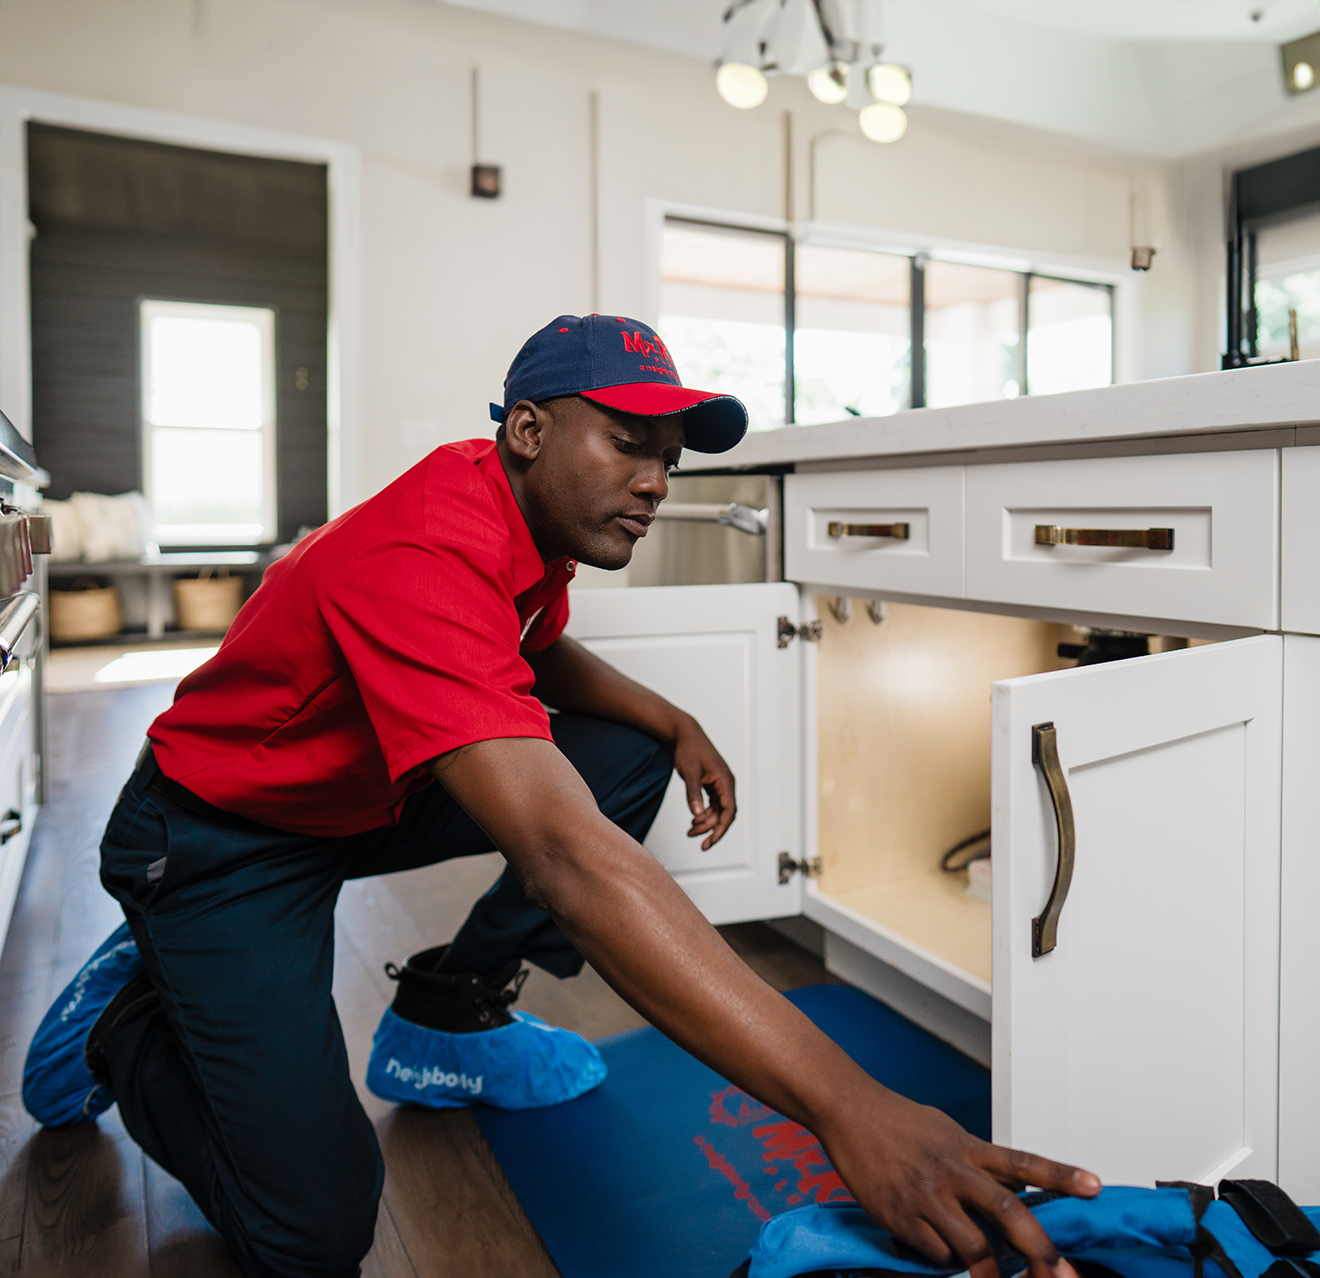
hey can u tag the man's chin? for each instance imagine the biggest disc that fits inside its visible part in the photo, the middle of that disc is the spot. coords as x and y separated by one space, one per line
609 558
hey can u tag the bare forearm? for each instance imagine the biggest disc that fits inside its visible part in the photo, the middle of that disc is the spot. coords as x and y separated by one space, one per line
630 920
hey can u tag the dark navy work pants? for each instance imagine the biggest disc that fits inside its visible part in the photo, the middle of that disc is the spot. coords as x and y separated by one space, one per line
239 1083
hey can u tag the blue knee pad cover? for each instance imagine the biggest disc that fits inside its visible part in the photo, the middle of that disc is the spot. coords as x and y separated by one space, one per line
58 1089
521 1066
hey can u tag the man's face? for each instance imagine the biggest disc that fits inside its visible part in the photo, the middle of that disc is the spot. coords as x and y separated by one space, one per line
589 478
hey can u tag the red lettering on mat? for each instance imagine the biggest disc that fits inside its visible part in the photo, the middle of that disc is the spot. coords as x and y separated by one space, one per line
741 1189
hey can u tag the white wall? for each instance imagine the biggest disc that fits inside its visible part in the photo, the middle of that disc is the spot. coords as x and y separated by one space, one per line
451 285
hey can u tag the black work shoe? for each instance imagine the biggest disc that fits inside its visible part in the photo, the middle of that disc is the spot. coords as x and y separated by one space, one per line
136 997
455 1002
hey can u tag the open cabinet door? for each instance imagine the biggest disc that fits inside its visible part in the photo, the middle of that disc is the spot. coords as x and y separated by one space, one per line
1144 1044
715 652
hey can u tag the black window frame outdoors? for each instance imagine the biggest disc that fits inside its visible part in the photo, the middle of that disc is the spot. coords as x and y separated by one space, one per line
916 308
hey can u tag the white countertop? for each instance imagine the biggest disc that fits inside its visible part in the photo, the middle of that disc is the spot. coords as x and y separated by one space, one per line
1263 398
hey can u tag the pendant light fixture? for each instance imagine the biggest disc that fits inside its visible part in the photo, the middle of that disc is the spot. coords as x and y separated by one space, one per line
740 85
835 44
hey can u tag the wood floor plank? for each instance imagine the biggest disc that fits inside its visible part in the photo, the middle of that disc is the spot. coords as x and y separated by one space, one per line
11 1253
85 1212
456 1215
774 958
180 1241
388 1258
24 998
16 1130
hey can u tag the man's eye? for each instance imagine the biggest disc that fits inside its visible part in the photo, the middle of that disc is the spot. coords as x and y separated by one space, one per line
626 445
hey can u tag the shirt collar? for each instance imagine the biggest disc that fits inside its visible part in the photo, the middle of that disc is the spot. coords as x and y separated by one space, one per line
525 560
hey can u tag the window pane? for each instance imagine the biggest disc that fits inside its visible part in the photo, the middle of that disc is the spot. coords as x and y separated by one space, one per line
973 319
722 314
1070 343
204 372
1288 278
852 341
207 485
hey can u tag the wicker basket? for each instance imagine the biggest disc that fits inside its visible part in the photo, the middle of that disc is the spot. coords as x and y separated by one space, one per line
88 611
206 602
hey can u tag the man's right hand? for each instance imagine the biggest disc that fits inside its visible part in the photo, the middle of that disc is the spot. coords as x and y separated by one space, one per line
912 1168
919 1174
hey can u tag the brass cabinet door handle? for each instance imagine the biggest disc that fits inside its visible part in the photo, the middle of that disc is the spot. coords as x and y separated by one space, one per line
899 532
1140 538
1045 755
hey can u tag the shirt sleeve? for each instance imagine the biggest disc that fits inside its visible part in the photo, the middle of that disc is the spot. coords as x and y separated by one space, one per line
430 634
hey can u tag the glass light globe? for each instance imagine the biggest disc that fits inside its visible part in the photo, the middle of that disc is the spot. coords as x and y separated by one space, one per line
741 86
889 82
1303 76
829 84
882 122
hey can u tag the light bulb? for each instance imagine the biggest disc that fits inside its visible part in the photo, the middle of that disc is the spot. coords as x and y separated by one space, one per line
889 82
882 122
740 85
829 84
1303 76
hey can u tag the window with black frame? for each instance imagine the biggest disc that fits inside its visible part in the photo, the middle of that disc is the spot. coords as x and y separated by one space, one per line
812 332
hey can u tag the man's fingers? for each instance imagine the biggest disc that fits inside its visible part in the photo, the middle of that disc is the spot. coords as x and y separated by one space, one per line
1017 1166
692 780
724 805
1020 1228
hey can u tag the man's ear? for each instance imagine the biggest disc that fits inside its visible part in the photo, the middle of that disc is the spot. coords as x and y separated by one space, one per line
524 430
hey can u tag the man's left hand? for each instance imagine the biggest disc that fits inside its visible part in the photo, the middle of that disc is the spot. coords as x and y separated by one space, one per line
707 777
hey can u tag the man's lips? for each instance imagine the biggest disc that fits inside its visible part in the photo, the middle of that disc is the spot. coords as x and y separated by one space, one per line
637 523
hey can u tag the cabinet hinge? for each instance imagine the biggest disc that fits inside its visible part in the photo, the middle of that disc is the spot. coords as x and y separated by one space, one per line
789 867
811 632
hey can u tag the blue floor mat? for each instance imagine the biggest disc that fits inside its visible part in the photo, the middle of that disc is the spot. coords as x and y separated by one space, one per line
667 1171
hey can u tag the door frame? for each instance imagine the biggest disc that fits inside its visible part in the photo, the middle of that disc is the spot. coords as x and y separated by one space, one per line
18 105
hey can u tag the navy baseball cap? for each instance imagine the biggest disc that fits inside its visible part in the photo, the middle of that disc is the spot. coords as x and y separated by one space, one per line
622 364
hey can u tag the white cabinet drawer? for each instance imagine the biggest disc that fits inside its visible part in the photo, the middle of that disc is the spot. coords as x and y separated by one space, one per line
1222 509
825 517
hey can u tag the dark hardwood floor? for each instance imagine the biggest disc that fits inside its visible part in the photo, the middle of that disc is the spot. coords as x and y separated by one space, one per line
85 1201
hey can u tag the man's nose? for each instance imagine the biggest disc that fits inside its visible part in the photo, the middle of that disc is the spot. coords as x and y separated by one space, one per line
652 481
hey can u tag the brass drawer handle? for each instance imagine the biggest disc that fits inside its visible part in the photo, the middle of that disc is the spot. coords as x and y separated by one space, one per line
1141 538
899 532
1045 755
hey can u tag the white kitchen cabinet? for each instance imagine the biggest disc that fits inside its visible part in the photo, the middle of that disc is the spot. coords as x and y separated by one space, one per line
1300 541
1143 1042
1299 956
723 654
18 796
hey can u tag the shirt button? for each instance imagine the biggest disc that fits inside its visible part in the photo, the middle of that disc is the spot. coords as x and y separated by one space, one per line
571 565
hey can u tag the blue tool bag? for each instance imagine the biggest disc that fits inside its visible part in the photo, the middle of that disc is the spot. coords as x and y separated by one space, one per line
1252 1229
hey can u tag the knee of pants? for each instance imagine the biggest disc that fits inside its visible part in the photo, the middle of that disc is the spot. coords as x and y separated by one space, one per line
326 1236
657 764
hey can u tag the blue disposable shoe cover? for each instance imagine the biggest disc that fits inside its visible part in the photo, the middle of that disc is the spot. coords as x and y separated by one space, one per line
521 1066
1137 1233
57 1088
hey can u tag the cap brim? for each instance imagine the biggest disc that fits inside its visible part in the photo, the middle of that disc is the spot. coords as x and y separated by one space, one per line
712 423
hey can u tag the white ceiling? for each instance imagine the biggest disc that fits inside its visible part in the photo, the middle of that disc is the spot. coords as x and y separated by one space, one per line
1156 77
1274 22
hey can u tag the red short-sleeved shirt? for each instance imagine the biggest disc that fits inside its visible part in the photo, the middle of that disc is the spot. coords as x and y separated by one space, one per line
391 635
